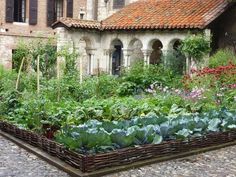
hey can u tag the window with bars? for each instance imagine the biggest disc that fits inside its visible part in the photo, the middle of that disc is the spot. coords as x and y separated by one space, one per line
118 4
16 11
59 9
55 10
19 10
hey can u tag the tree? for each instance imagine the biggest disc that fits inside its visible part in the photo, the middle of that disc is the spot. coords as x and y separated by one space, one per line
195 47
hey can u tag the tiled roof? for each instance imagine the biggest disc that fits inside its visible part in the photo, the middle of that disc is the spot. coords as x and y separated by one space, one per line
157 14
77 23
166 14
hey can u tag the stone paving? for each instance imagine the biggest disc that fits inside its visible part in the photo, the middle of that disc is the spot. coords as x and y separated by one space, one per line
16 162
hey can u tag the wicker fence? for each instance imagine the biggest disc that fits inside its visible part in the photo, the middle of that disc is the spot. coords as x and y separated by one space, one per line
89 163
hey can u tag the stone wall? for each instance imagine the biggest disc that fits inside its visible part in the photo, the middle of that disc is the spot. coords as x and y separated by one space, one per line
98 48
224 30
103 10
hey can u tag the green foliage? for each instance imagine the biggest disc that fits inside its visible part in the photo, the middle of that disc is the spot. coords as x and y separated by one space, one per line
175 61
126 88
105 85
222 58
48 56
33 112
70 58
22 51
45 49
196 46
7 80
143 77
9 102
95 136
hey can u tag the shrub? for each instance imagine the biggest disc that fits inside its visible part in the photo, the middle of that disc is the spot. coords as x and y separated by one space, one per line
222 58
126 88
48 57
22 51
143 77
70 61
175 61
196 46
106 85
45 49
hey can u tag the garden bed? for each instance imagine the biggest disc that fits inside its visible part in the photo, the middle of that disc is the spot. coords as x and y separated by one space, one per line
89 163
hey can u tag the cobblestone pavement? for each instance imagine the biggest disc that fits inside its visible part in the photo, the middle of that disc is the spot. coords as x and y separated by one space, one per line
16 162
219 163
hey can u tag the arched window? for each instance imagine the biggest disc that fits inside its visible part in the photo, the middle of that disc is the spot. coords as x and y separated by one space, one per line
118 4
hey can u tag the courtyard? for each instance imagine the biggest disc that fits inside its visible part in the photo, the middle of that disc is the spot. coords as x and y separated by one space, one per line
118 88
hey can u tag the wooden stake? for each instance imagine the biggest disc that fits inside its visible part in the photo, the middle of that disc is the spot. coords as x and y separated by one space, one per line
98 69
38 89
58 80
81 69
19 72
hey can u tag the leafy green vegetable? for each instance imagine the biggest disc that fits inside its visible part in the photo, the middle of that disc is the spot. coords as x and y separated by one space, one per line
100 136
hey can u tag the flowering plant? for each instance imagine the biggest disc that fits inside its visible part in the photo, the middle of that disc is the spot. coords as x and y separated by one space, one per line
218 84
221 76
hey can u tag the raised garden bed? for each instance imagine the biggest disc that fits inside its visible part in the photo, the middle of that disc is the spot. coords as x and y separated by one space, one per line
89 163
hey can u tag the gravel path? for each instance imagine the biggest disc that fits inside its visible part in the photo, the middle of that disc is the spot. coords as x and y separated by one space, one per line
219 163
16 162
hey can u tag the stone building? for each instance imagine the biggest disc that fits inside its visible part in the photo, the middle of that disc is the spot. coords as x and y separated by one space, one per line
101 9
112 30
144 30
32 19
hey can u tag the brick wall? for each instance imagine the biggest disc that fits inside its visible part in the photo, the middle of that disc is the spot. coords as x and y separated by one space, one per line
10 33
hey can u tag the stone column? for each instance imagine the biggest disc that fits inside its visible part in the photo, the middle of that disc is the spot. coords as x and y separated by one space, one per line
91 64
207 33
111 51
188 64
146 53
126 53
91 52
108 54
164 51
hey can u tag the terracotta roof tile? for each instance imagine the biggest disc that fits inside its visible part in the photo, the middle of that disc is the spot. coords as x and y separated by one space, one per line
166 14
156 14
77 23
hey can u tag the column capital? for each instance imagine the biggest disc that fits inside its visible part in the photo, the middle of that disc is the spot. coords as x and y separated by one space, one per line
91 51
127 52
147 52
108 51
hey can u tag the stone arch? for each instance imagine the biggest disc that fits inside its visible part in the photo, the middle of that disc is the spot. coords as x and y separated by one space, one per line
175 59
117 56
85 47
156 46
174 44
136 54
